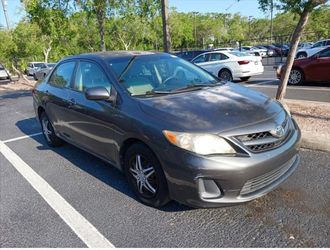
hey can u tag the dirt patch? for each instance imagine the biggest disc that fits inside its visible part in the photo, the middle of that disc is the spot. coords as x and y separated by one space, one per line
312 117
17 85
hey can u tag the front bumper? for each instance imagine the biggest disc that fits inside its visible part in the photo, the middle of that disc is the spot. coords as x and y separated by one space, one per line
223 180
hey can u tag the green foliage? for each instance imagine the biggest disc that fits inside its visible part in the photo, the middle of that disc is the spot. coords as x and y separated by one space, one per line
69 27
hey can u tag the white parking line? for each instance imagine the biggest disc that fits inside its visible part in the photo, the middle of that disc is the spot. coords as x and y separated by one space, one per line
22 137
81 226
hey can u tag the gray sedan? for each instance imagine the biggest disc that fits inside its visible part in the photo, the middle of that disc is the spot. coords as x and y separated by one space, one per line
176 131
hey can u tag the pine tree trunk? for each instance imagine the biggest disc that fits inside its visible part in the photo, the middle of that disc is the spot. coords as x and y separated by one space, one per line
292 53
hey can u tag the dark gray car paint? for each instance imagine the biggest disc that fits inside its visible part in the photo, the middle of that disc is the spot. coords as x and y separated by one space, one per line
103 128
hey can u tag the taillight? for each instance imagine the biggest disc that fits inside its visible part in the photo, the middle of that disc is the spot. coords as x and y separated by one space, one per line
243 62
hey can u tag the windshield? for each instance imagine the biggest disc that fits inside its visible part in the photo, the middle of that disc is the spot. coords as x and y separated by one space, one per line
158 74
40 65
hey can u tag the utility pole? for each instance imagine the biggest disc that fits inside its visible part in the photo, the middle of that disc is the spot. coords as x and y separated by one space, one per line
4 6
166 31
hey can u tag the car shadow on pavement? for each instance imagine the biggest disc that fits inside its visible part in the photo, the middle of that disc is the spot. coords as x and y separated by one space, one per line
91 165
10 94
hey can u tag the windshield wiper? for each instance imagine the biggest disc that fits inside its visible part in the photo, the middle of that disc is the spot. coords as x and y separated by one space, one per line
196 86
154 92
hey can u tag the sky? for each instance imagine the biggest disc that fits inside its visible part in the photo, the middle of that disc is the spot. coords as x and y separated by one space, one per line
245 7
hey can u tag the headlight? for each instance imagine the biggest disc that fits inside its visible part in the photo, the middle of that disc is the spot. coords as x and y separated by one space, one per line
204 144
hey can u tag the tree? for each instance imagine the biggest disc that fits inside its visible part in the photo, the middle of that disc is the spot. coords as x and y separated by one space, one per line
166 32
303 8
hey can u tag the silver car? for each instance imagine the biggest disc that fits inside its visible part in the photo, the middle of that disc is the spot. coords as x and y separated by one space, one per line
43 71
33 67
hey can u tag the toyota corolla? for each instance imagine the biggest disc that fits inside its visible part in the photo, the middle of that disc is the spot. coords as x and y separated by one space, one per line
176 131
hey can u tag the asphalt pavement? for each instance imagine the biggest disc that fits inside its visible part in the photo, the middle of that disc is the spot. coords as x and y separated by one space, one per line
296 214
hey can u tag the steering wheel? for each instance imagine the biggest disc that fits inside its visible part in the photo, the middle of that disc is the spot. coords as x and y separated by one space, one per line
172 80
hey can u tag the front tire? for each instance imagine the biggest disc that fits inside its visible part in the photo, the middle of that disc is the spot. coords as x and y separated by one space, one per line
145 175
48 131
296 77
244 79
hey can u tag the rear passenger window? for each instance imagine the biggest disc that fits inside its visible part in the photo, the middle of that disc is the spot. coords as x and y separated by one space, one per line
62 75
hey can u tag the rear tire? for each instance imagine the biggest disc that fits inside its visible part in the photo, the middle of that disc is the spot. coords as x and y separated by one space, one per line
244 79
48 131
145 175
225 75
296 77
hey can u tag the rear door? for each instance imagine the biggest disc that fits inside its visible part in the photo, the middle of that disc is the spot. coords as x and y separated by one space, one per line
57 102
91 122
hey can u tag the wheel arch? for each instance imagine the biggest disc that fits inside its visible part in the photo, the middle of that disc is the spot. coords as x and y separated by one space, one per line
225 68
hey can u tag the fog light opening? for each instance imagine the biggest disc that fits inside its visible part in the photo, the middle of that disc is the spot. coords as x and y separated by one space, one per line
209 189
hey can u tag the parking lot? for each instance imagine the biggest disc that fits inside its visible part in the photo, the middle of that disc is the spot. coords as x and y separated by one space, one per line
295 215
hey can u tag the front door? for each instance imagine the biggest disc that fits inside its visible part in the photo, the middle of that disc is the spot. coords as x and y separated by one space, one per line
91 122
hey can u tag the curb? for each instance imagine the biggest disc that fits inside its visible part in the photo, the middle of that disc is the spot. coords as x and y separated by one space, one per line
308 141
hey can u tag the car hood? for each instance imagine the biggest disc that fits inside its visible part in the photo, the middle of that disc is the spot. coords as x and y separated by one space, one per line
215 109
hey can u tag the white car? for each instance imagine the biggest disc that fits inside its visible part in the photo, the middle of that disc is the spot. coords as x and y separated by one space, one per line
228 65
253 50
318 46
4 74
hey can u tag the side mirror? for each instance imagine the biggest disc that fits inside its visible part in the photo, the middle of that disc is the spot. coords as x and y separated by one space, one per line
97 93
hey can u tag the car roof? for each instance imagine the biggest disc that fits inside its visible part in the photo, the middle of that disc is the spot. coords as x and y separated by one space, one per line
112 54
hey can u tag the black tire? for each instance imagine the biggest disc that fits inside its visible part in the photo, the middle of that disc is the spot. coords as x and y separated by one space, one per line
35 77
225 75
156 180
51 138
301 55
296 77
244 79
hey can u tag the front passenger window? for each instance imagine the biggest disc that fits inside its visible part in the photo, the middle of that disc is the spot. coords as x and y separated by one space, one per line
62 75
90 75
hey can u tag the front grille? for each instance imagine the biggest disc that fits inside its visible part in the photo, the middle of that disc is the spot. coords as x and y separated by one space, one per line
263 141
263 181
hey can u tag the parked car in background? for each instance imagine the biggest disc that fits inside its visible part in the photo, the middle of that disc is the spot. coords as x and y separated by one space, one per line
223 49
33 67
311 69
174 130
228 65
281 49
307 52
271 49
4 73
305 45
255 50
189 55
43 71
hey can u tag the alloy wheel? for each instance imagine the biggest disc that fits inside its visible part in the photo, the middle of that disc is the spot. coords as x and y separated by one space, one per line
225 75
46 128
295 77
143 176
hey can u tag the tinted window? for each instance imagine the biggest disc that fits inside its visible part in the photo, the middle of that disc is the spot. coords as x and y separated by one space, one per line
217 57
200 59
62 75
164 73
1 67
90 75
318 44
325 53
40 65
327 42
